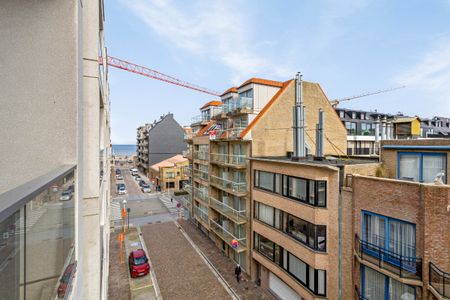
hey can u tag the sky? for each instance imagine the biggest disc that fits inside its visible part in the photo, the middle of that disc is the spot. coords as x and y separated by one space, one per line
348 46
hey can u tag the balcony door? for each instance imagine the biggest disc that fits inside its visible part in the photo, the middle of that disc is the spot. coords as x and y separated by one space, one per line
394 239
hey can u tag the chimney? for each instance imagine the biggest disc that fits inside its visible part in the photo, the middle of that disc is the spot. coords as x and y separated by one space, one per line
383 129
377 130
319 135
298 120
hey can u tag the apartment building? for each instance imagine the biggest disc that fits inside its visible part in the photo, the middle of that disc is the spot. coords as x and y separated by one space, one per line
401 223
301 225
54 187
170 174
435 127
255 120
158 141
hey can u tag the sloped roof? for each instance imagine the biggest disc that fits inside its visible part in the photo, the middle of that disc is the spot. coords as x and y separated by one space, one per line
211 103
205 128
170 162
230 90
263 82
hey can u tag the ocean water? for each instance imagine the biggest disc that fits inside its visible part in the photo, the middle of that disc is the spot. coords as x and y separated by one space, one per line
124 150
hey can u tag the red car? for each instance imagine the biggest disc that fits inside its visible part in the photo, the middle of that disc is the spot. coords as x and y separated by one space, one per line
138 263
64 281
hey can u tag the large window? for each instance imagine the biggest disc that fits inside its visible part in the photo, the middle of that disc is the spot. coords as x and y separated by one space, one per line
395 236
309 234
421 167
380 287
314 280
37 244
351 128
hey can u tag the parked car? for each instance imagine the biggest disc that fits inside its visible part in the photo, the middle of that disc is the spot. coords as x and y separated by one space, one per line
119 177
141 183
66 195
146 188
121 189
118 172
138 263
134 173
64 281
137 178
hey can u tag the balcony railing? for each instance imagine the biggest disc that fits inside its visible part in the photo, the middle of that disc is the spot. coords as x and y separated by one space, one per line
227 236
202 194
187 153
202 155
244 103
402 266
228 185
188 188
238 216
187 171
440 281
201 174
230 133
203 215
229 159
186 202
188 135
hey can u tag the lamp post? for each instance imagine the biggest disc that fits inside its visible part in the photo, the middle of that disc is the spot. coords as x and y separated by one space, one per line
124 213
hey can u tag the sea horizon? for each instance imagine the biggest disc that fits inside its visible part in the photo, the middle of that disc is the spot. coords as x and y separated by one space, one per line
124 149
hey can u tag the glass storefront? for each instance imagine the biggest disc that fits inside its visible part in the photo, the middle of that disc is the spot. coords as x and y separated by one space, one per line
37 245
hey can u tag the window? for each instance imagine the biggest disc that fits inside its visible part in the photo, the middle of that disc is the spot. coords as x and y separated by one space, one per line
378 286
266 181
268 215
341 114
309 234
396 236
314 280
351 128
247 93
421 166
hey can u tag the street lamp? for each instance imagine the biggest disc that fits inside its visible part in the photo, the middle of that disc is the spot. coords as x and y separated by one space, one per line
124 213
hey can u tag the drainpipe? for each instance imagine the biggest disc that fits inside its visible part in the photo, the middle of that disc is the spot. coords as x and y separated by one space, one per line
341 183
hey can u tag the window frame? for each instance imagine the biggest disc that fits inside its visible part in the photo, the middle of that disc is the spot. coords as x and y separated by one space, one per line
421 155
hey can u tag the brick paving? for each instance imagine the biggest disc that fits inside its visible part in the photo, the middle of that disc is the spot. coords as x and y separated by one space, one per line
118 286
180 272
246 289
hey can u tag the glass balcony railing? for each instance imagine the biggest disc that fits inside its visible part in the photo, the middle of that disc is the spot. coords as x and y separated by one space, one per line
230 133
188 188
238 216
440 281
244 103
227 236
186 202
402 266
202 155
202 194
203 215
201 174
230 159
228 185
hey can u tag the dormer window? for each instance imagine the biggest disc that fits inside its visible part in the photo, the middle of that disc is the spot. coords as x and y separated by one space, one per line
362 116
353 115
341 114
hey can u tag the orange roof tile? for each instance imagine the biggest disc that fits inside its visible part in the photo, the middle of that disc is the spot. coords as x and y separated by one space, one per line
211 103
170 162
265 108
263 82
230 90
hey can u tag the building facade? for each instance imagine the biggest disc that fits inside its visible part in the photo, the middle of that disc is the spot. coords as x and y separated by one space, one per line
158 141
170 175
401 223
255 120
54 189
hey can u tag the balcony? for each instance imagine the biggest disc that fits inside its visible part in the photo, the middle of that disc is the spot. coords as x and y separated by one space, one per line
188 188
187 154
439 282
202 155
188 135
402 266
201 174
228 236
242 105
186 202
237 216
202 215
201 194
229 160
228 134
187 171
235 188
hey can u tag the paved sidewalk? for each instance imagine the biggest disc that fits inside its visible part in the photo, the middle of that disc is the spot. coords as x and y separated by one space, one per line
246 289
118 285
141 287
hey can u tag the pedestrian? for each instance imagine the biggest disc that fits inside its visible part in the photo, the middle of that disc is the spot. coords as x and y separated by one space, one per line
237 272
171 199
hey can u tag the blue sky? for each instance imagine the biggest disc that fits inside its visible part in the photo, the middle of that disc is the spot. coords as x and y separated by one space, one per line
348 46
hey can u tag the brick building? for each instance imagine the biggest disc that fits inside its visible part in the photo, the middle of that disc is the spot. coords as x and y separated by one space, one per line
401 223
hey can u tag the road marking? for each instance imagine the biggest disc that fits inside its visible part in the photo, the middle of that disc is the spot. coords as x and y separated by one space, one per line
152 271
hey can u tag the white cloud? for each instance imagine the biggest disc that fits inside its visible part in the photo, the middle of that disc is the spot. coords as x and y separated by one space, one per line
217 30
430 76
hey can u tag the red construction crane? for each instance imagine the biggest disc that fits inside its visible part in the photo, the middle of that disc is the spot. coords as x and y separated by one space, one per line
130 67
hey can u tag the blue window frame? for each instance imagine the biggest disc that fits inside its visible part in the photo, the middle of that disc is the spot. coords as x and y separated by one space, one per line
390 239
375 285
421 166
